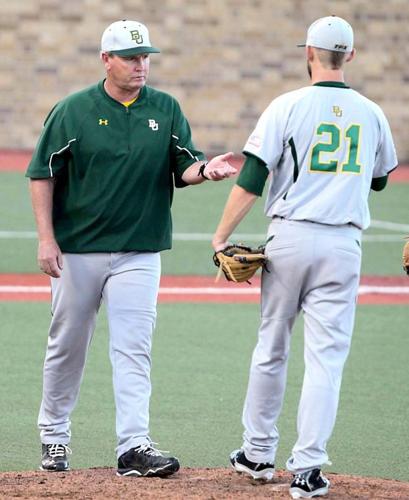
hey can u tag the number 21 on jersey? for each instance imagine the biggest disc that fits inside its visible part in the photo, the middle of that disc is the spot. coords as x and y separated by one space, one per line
332 136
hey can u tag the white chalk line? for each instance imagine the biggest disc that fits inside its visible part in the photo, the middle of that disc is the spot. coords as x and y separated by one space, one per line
260 237
363 290
207 237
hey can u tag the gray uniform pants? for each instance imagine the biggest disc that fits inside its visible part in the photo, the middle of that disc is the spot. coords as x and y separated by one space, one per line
314 268
128 284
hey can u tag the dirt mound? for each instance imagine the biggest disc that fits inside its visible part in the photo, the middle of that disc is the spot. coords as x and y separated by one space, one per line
187 484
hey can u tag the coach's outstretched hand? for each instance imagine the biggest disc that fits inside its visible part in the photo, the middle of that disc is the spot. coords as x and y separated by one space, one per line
219 167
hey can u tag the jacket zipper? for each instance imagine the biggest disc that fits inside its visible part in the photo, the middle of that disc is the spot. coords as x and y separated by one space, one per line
129 127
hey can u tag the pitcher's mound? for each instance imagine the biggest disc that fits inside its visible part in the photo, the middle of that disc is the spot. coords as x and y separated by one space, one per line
189 483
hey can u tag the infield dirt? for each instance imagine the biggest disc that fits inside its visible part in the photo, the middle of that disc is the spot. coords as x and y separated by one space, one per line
199 484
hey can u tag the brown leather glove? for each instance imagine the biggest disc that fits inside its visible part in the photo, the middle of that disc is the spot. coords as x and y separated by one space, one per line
238 262
405 256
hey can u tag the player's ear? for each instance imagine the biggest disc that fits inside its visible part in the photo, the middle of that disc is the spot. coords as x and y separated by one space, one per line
309 51
350 56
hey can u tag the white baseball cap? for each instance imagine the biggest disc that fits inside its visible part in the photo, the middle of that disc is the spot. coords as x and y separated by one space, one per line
330 33
127 38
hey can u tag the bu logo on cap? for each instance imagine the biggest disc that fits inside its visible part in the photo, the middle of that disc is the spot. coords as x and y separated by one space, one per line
137 36
153 125
102 122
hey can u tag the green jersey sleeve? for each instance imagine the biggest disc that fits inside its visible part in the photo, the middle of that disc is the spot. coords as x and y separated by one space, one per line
53 148
253 175
183 152
379 183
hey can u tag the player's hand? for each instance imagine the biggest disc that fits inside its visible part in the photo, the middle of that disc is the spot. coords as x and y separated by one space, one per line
219 167
219 245
50 258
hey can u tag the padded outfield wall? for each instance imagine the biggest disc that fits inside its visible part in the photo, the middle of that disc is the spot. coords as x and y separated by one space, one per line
223 59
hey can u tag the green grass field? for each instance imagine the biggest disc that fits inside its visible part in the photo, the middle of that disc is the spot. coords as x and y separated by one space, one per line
200 365
197 210
202 353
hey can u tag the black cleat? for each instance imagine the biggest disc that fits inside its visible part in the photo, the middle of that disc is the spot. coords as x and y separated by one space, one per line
240 463
146 461
309 484
54 457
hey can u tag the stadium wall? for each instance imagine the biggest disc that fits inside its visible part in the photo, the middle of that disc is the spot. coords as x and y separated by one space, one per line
224 60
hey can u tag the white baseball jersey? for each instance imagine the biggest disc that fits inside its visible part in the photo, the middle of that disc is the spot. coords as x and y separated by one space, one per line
323 144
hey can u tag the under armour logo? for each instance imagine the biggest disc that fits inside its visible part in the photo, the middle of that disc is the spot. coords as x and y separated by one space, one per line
102 122
153 125
337 111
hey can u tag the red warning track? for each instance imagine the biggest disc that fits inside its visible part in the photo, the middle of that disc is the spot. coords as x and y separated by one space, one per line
372 290
17 161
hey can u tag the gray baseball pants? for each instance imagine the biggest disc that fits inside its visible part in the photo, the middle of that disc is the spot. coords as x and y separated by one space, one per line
128 284
313 268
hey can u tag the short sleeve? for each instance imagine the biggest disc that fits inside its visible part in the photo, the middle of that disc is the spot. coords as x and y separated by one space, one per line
267 139
53 147
385 159
183 152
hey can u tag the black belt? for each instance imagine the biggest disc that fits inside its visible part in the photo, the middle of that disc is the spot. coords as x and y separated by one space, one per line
313 222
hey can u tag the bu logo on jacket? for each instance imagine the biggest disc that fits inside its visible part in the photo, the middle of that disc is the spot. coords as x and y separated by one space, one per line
153 125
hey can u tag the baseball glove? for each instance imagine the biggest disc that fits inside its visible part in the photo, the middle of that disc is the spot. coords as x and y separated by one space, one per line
405 257
238 262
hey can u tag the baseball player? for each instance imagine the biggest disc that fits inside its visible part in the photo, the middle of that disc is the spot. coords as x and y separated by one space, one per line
325 147
102 181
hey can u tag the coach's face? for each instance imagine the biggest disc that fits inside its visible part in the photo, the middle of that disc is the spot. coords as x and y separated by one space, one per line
127 73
